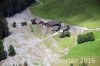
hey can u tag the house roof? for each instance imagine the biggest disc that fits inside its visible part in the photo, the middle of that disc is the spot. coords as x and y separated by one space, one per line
53 23
64 27
54 28
41 22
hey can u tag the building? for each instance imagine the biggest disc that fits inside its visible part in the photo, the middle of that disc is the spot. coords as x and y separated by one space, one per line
52 23
42 23
66 27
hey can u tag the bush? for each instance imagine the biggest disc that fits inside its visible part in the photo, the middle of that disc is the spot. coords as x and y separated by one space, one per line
24 23
65 34
90 36
14 25
62 35
85 38
11 51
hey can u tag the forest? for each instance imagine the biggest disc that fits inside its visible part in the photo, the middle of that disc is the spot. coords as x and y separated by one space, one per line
10 7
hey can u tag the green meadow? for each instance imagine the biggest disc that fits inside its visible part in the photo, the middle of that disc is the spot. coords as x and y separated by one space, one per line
78 12
84 13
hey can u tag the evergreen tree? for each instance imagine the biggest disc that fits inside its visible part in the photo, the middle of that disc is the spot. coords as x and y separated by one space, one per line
3 54
11 51
14 25
25 64
1 47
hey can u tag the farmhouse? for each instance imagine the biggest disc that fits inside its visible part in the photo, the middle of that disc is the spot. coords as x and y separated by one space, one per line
42 23
66 27
55 28
52 23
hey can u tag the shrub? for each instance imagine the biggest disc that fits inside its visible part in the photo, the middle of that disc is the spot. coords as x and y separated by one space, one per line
14 25
62 35
85 38
11 51
24 23
90 36
65 34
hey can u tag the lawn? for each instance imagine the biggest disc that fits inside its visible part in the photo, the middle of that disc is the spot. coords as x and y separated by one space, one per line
88 48
81 12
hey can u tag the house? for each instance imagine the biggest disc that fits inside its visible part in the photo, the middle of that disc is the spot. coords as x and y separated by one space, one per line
52 23
33 21
42 23
66 27
55 28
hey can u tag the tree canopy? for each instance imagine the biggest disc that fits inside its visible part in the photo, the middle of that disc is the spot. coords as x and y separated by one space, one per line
10 7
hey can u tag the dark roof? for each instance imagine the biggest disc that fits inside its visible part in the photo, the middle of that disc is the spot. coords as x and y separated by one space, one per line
41 22
53 23
55 28
65 27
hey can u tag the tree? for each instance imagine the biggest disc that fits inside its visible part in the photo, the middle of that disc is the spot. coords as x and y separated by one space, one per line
25 64
3 54
4 30
11 51
67 33
10 7
1 47
85 38
90 36
14 24
62 35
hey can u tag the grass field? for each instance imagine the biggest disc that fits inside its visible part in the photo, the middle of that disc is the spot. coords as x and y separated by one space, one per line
79 12
88 48
85 13
85 50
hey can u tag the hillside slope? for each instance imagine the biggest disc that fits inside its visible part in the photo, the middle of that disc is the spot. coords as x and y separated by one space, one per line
69 11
